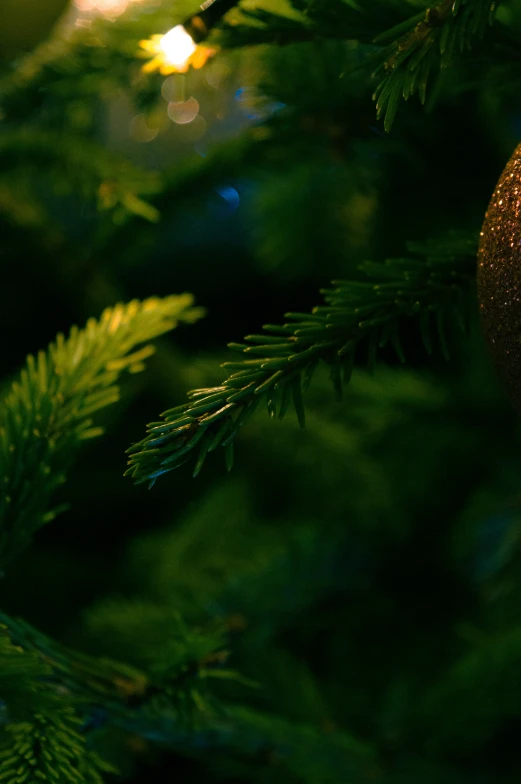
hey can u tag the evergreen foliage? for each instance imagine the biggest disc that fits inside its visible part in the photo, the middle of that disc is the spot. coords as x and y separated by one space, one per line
42 740
283 361
343 608
82 168
412 46
48 412
49 748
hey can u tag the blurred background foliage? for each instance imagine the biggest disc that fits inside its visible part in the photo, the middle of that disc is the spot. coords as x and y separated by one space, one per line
363 573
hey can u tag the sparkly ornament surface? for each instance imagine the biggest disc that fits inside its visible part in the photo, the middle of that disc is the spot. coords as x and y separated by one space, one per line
499 277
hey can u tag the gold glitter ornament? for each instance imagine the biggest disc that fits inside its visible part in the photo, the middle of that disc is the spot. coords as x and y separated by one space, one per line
499 277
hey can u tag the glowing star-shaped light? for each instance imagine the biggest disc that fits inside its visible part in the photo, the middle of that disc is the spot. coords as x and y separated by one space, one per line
174 52
178 46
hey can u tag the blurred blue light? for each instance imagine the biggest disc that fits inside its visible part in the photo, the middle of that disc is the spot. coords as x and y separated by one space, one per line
276 106
230 195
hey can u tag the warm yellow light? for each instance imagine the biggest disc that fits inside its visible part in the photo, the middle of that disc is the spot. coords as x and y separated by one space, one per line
173 52
177 46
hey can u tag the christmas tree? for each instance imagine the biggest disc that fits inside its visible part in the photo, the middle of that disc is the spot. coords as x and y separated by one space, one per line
334 598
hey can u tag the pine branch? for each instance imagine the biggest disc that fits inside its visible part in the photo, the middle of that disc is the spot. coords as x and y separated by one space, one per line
177 674
251 575
157 711
19 671
312 19
79 165
278 365
60 672
48 412
412 47
50 691
49 748
295 751
355 20
423 44
259 26
40 738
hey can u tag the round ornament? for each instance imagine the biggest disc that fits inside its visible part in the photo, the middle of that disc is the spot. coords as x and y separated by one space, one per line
499 277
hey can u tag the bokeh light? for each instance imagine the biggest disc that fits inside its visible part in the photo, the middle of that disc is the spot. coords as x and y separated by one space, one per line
177 46
173 89
140 131
230 197
183 112
108 8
